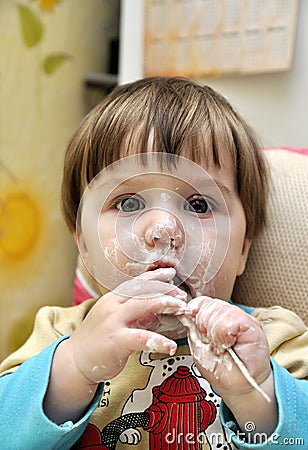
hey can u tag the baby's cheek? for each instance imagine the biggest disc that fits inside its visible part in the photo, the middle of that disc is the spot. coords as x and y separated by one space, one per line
203 274
120 261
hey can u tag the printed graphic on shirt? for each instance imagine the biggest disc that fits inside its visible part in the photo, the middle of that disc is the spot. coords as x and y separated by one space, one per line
176 410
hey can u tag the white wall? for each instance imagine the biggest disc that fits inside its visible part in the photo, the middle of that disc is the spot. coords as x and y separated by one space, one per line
275 104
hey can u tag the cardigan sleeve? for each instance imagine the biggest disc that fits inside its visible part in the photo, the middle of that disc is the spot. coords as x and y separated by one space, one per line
292 427
23 423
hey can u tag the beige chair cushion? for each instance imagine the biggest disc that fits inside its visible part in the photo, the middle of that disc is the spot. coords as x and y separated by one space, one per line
277 267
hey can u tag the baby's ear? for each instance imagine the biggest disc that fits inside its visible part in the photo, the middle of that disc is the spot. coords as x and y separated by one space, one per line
244 255
82 246
79 241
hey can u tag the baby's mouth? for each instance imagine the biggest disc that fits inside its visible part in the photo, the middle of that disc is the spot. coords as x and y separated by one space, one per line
177 281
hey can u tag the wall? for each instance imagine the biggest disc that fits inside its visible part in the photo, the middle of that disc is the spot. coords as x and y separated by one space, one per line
275 104
46 47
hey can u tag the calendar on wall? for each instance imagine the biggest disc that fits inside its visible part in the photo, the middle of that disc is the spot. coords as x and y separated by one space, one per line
197 38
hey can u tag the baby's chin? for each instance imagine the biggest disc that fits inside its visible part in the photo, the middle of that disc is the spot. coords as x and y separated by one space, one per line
165 324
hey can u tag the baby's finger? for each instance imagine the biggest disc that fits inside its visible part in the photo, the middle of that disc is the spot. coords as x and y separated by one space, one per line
136 340
223 323
165 274
136 308
151 283
195 304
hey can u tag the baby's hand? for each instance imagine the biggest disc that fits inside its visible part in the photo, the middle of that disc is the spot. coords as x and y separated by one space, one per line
101 345
213 326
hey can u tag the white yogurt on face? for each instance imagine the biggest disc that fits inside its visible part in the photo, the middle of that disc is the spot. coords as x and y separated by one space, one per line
164 196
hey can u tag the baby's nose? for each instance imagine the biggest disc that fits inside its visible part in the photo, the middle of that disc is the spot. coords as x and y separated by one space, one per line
164 229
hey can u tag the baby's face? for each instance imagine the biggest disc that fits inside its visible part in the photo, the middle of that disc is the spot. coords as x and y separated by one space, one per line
137 217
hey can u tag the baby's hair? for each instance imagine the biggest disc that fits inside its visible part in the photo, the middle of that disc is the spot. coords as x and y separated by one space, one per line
172 115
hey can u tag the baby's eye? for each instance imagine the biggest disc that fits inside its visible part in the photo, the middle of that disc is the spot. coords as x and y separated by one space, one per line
129 204
198 205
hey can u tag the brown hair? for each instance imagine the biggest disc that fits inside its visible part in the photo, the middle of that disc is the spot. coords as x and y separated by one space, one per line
183 117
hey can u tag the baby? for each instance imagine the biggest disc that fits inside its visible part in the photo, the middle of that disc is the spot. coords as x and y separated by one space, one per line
164 189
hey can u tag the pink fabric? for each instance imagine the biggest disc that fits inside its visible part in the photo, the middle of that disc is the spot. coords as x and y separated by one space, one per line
302 151
80 294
